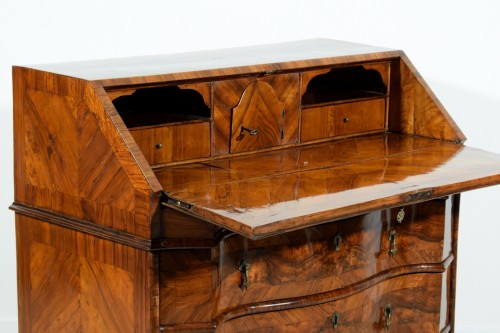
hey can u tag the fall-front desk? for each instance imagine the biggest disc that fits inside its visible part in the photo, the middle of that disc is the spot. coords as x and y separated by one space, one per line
309 186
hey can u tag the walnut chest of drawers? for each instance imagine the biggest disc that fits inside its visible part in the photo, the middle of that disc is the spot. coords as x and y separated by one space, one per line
309 186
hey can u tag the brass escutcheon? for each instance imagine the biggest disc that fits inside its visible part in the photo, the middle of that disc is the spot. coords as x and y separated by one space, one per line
335 320
392 243
244 279
387 316
401 215
337 240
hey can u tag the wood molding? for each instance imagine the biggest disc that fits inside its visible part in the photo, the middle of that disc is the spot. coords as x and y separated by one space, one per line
82 226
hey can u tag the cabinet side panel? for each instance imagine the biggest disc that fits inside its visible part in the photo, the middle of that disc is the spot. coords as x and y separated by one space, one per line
70 158
73 282
430 117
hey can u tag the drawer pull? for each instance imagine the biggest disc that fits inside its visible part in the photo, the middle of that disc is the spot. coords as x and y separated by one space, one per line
250 131
244 280
335 320
387 317
392 243
401 215
346 120
159 146
337 240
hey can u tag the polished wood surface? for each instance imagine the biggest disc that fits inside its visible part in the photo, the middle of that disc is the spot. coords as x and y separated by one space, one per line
309 186
263 194
363 312
68 278
343 119
331 256
256 59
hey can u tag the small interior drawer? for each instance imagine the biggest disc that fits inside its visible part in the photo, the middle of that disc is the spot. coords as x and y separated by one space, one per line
343 119
174 142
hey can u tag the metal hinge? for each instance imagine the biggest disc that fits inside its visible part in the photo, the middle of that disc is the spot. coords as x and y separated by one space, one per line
178 203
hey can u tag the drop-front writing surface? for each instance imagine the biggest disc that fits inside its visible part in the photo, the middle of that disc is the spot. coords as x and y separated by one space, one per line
309 186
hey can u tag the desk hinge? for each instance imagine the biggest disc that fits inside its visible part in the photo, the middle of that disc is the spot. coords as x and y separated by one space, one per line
177 203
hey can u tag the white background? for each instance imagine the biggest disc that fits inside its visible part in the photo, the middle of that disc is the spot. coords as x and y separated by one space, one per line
455 44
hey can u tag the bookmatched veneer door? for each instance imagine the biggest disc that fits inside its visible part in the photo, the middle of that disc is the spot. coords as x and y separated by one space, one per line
255 113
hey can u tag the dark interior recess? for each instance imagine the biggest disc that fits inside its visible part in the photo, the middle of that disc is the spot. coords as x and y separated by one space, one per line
162 105
343 84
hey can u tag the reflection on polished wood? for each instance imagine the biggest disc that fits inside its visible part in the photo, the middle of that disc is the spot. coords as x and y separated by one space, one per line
267 193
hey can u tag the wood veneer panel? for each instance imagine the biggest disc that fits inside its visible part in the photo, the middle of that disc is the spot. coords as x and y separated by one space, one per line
306 262
69 281
220 63
362 312
71 158
415 110
259 203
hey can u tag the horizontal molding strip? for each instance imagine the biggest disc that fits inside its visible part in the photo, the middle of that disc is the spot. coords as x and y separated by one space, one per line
83 226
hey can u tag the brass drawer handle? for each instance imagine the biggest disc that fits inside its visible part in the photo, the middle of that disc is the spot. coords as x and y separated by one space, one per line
335 320
387 317
244 279
392 243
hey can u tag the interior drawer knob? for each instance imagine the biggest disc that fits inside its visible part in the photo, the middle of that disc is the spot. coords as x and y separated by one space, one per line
346 119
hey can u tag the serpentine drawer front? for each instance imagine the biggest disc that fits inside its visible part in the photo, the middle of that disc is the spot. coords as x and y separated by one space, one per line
380 308
309 186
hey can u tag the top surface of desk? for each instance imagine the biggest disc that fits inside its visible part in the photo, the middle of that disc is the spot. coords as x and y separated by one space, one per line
241 59
272 192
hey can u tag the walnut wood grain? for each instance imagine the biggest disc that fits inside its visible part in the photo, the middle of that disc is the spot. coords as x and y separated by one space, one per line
175 142
225 62
359 313
278 96
74 160
352 118
76 282
106 243
308 261
258 206
415 110
257 120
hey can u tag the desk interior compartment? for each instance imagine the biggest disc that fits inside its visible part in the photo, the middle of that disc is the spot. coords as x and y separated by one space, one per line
170 123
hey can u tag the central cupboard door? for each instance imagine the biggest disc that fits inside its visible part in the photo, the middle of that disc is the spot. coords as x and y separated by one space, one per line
255 113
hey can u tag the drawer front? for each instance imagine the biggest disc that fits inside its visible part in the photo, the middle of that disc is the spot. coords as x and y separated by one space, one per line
330 256
176 142
409 303
343 119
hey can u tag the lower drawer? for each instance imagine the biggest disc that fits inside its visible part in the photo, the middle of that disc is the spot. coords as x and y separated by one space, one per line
330 256
409 303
